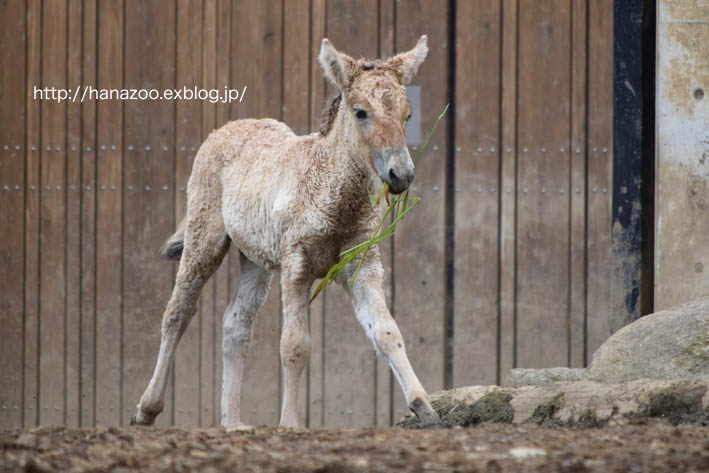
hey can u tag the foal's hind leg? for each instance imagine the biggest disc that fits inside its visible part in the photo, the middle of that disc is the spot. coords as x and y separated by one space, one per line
239 318
205 245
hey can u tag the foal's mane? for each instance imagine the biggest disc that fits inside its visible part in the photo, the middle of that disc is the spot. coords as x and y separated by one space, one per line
327 117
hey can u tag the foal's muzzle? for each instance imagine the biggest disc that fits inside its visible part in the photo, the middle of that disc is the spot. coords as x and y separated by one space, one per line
395 167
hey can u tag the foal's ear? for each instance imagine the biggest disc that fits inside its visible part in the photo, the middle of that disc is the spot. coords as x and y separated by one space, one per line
338 67
406 65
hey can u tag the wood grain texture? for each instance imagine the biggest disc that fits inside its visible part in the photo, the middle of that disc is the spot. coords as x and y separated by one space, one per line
32 201
188 137
259 25
349 358
543 171
577 186
223 276
207 304
88 219
296 96
419 265
508 182
12 192
383 378
316 311
532 256
600 159
73 219
477 191
148 197
109 217
52 257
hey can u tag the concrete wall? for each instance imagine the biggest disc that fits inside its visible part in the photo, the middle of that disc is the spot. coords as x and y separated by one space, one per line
682 112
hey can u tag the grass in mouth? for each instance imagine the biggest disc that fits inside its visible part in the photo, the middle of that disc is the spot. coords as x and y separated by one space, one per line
398 208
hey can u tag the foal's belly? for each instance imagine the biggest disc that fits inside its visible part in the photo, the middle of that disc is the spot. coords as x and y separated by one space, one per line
255 237
254 220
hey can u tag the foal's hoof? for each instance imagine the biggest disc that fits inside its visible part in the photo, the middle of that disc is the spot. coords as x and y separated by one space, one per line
427 417
242 428
139 419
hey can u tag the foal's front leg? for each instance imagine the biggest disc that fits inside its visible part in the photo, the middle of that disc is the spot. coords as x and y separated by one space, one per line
371 310
295 338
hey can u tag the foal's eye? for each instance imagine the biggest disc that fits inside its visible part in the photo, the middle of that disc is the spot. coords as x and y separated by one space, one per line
408 117
360 114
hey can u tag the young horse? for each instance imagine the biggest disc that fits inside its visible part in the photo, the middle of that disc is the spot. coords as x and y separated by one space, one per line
292 204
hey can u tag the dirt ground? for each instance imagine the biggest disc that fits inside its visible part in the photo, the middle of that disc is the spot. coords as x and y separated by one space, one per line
639 446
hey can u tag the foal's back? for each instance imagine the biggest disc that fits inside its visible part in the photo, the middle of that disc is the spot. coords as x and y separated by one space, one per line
258 165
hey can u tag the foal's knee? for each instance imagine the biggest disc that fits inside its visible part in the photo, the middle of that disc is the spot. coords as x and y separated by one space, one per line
236 332
295 347
387 336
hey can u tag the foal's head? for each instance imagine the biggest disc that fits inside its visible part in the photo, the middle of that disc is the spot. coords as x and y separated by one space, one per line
373 92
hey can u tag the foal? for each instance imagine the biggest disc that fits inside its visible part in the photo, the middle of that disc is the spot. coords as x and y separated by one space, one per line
292 204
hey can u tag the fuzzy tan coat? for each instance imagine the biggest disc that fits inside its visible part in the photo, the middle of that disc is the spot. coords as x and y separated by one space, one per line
292 204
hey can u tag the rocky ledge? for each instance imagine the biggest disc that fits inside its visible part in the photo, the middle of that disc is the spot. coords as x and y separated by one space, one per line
658 366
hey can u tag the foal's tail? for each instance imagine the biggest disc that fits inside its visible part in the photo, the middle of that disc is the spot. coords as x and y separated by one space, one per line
173 246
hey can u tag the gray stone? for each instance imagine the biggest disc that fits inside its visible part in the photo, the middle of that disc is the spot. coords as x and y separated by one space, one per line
671 344
542 377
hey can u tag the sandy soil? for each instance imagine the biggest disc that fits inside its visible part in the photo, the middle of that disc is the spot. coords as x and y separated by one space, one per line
639 446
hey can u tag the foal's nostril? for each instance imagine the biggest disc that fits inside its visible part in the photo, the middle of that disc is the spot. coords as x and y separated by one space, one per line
393 177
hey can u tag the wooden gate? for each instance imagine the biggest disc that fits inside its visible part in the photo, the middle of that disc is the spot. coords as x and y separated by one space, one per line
505 263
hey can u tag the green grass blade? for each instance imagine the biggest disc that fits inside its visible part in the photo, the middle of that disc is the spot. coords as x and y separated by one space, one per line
430 134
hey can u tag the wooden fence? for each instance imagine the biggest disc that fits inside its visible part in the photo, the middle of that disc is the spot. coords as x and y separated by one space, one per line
505 263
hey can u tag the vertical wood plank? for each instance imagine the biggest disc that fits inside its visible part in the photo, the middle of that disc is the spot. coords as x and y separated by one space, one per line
383 379
419 255
32 202
577 186
207 387
316 311
223 289
296 106
296 66
187 140
148 195
477 193
52 271
73 218
12 178
508 200
349 359
259 27
543 176
88 219
109 224
600 159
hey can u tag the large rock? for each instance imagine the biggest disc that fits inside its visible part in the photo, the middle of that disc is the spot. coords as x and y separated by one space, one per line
542 377
671 344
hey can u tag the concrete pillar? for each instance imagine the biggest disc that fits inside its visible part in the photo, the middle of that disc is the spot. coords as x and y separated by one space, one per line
682 149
